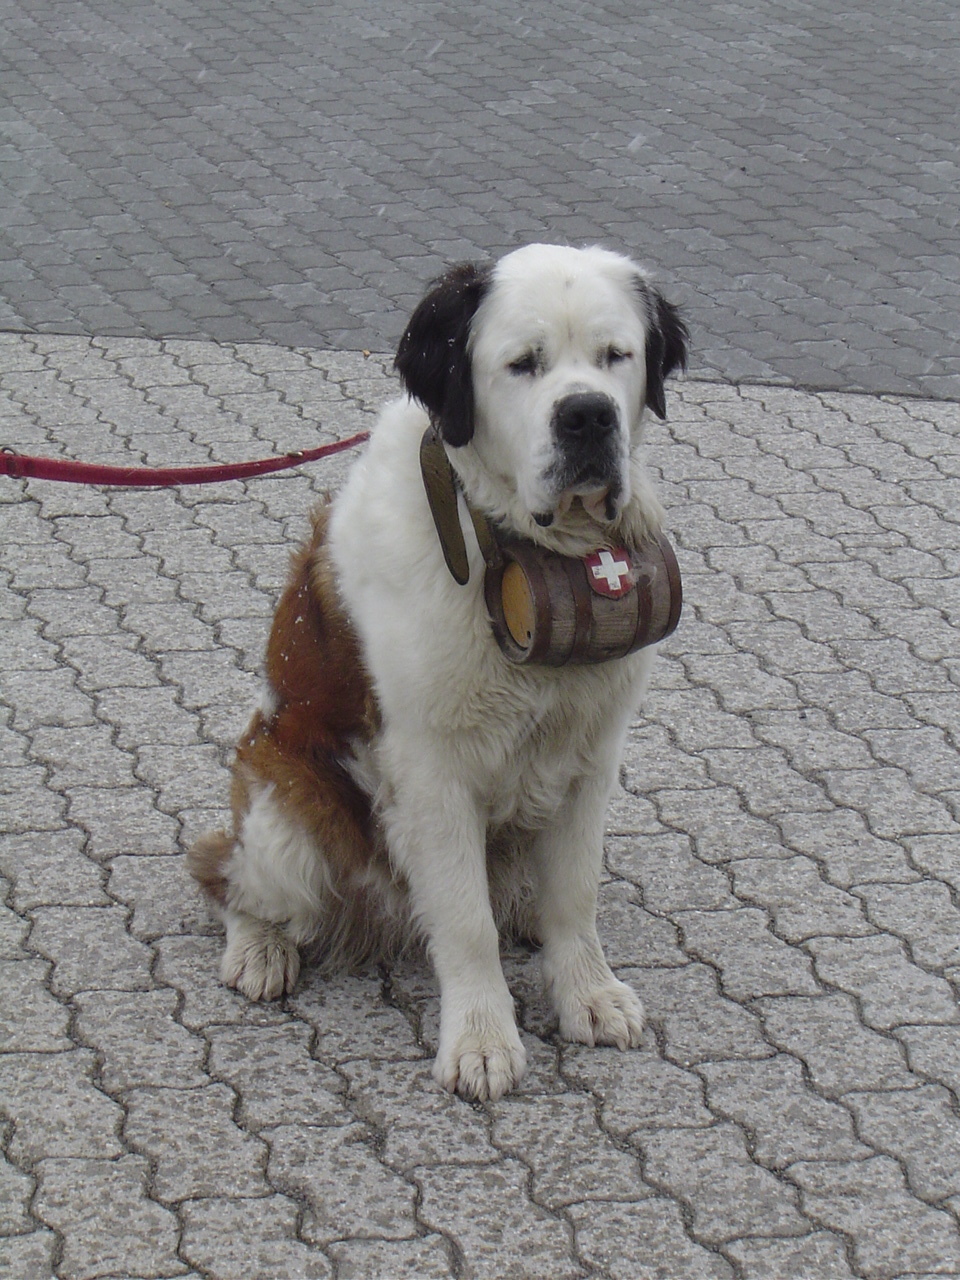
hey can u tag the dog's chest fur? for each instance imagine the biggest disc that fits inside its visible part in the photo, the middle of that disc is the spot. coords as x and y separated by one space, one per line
518 737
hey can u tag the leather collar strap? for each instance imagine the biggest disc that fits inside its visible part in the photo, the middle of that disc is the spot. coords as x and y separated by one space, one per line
443 487
20 466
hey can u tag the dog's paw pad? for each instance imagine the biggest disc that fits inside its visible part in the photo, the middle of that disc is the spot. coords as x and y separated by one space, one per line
610 1014
261 961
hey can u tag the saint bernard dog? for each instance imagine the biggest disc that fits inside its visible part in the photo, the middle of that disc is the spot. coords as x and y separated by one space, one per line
401 779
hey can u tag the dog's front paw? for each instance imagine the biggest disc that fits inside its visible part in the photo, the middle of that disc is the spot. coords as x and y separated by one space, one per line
607 1014
261 961
481 1057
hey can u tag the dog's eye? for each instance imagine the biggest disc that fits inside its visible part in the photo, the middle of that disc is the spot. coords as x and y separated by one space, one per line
615 355
526 364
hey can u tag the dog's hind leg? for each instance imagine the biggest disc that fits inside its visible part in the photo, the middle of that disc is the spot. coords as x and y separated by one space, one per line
261 959
267 883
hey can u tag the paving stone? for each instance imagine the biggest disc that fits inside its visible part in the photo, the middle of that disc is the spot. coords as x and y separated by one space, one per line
820 1255
16 1190
140 715
90 948
891 805
237 1239
56 1108
83 1200
500 1233
274 1075
352 1020
122 821
194 1144
718 824
921 1128
849 852
139 1040
163 898
571 1157
336 1173
904 993
668 874
637 1091
922 914
416 1122
934 1052
632 935
752 961
840 1053
765 779
892 1232
698 1023
50 870
27 1256
801 903
644 1238
427 1258
787 1121
938 856
728 1194
31 1020
13 932
55 701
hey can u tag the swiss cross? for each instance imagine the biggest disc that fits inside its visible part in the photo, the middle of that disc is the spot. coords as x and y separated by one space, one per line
610 572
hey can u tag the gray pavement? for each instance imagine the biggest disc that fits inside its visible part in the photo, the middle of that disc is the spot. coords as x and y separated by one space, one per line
293 172
783 870
208 212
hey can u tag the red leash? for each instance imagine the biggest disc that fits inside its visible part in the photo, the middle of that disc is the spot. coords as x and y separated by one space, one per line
20 466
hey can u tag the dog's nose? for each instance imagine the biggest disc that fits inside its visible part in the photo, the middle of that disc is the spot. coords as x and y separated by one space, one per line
585 416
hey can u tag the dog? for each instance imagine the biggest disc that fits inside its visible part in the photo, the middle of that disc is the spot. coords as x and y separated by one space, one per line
401 779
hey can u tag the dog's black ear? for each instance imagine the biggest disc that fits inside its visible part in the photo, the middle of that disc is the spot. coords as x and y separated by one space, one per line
667 337
432 356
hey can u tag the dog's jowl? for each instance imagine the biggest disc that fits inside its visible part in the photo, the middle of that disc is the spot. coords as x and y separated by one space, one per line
402 778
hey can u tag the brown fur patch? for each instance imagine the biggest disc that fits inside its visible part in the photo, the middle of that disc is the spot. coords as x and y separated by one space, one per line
324 703
206 861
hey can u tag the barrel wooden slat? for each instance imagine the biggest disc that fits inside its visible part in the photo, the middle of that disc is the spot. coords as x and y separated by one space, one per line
565 621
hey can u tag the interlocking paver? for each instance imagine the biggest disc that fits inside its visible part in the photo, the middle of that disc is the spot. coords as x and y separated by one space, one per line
237 1239
891 989
275 1077
644 1238
35 1022
710 1171
921 1127
83 1200
336 1172
821 1255
488 1214
191 1139
782 864
56 1109
840 1053
787 1120
891 1230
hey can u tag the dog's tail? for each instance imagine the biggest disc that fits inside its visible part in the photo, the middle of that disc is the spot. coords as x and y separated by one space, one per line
206 862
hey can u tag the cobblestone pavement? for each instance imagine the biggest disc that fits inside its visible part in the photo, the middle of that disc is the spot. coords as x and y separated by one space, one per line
783 870
294 171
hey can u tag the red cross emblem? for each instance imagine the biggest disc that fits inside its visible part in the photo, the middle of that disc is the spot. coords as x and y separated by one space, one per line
610 572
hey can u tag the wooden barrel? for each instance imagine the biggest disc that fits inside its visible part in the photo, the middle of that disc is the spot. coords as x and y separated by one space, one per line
553 610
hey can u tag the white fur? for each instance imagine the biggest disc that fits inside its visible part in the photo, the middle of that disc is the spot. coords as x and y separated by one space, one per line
468 740
469 744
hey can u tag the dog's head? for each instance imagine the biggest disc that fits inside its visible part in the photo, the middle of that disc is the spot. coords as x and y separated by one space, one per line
543 365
